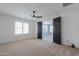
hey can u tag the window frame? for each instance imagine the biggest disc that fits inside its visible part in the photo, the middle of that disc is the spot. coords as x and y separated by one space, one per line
22 28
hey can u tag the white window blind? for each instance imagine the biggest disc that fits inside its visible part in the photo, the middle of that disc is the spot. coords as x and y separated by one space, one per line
21 28
18 28
25 28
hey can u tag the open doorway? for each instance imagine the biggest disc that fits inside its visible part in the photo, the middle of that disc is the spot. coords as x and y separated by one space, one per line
47 30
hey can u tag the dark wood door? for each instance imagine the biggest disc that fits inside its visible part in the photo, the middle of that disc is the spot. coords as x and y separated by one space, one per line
57 30
39 30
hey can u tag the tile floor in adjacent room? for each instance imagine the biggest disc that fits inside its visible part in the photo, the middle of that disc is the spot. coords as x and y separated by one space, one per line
36 47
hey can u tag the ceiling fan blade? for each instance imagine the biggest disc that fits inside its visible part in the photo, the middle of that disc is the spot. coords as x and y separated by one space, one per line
34 16
38 16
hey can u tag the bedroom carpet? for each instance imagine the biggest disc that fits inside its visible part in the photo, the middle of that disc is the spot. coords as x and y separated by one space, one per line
36 47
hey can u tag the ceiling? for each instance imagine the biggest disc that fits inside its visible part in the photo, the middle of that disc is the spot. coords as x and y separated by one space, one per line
24 10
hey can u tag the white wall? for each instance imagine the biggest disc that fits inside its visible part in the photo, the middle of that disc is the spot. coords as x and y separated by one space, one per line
70 25
7 29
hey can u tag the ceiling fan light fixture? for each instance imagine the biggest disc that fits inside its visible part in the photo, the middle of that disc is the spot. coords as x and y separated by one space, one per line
33 17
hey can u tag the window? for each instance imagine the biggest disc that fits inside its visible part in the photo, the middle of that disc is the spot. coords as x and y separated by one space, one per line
18 28
21 28
51 28
45 28
25 28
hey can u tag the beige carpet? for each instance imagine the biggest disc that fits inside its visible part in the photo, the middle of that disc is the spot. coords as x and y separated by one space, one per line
36 47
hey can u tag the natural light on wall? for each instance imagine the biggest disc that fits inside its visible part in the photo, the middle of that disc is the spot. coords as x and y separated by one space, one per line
21 28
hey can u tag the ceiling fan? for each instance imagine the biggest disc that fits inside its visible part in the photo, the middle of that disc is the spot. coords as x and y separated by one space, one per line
34 16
